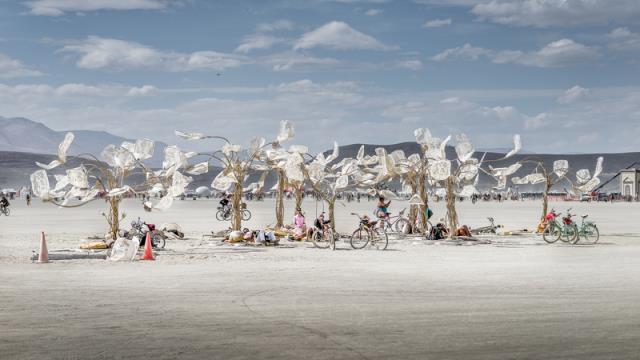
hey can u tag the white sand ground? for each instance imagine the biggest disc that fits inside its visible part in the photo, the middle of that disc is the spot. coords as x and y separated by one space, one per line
515 298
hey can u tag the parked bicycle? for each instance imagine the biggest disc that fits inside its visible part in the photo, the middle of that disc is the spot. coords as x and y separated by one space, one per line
555 230
368 233
5 210
492 228
588 231
324 238
397 223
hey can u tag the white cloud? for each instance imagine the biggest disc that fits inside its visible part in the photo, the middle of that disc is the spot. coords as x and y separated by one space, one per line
373 12
12 68
536 122
257 41
340 36
144 90
275 26
562 13
437 23
59 7
414 65
559 53
102 53
292 60
622 39
574 94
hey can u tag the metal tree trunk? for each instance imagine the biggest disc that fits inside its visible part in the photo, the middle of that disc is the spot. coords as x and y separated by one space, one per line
114 217
452 215
298 192
280 199
331 206
236 201
545 197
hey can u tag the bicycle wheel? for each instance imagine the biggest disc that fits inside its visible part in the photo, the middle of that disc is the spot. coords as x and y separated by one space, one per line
246 215
359 238
551 233
379 239
591 233
7 211
220 215
402 226
569 233
320 240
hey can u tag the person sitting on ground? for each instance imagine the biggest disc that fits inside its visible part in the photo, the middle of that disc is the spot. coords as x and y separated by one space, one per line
299 225
4 203
383 208
463 231
438 232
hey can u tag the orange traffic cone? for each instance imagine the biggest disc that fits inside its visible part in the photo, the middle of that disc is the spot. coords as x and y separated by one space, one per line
43 256
148 253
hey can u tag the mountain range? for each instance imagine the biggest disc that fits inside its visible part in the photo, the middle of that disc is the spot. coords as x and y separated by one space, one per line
23 141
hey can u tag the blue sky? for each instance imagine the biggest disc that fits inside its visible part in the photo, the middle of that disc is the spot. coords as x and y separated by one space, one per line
562 73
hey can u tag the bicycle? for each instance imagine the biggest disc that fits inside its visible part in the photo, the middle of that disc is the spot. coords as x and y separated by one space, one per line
226 213
566 231
323 238
492 228
368 233
587 230
397 223
5 210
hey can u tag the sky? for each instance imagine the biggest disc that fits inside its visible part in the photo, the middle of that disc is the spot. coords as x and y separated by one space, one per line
565 74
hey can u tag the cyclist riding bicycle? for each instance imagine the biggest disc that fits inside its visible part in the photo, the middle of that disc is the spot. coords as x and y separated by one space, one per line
320 223
225 203
4 203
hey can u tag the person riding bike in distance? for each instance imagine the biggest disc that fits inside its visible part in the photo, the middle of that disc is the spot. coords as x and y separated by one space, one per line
4 203
224 202
382 211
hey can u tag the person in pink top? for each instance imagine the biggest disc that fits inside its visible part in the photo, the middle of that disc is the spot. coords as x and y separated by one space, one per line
299 224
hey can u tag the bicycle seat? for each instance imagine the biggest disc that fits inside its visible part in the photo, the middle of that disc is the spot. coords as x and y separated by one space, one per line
584 216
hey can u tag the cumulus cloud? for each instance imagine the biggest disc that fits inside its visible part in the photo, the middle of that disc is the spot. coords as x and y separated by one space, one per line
113 54
12 68
373 12
144 90
413 65
293 60
562 13
257 41
338 35
574 94
60 7
275 26
437 23
559 53
622 39
536 122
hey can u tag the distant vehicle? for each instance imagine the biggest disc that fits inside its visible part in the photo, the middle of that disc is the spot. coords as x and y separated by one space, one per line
585 197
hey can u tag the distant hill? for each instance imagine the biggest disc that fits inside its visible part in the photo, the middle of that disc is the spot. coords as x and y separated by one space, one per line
27 136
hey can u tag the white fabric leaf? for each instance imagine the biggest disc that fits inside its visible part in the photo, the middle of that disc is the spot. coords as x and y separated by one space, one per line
422 136
440 169
415 200
341 182
334 155
502 183
360 155
229 149
256 145
199 169
64 147
300 149
40 184
61 182
561 168
286 131
164 203
190 154
464 148
156 189
583 176
468 170
589 185
52 165
468 191
293 168
190 136
174 159
598 169
143 149
517 146
179 184
77 177
119 191
222 182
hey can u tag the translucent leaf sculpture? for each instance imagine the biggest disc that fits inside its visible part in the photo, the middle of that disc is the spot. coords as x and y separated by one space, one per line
583 176
286 131
464 148
190 136
517 146
560 168
440 170
77 177
199 169
143 149
40 184
64 147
